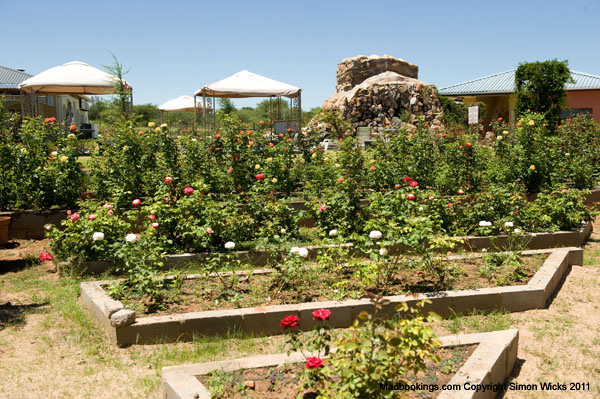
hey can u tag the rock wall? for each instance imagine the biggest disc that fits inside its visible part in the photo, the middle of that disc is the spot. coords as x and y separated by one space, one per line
383 98
355 70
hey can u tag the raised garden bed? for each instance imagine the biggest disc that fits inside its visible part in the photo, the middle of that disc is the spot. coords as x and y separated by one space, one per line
491 362
573 238
29 224
123 328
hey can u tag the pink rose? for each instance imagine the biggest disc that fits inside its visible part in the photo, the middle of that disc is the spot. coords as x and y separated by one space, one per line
209 230
152 217
110 212
397 186
92 216
107 206
229 170
414 183
323 207
168 179
188 190
321 314
155 225
260 176
44 256
75 216
410 197
461 192
136 202
69 212
563 191
313 362
431 198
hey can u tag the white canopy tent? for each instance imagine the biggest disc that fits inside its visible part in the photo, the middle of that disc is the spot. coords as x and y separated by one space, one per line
245 84
179 104
74 78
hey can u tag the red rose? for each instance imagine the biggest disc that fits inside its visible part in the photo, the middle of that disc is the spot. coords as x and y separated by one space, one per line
280 135
271 144
340 180
261 123
152 217
397 186
188 190
321 314
47 120
468 144
217 136
289 321
499 119
373 168
260 176
72 128
92 216
410 197
313 362
168 179
75 216
44 256
436 127
414 183
136 202
407 179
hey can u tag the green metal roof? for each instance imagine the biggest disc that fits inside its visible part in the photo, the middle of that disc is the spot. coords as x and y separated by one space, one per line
10 78
504 82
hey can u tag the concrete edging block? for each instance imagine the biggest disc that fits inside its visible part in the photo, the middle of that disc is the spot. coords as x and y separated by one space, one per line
265 320
491 362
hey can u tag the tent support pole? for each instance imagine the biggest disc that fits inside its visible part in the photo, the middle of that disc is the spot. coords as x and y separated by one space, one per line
300 108
195 115
204 111
214 105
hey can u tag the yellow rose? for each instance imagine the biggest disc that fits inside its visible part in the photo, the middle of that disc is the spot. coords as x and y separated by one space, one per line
257 166
337 165
314 155
531 123
269 159
63 159
499 138
71 136
97 148
372 161
125 148
54 154
151 124
274 180
567 154
505 132
157 129
532 167
164 125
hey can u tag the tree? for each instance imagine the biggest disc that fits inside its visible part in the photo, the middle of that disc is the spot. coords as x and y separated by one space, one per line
120 89
227 106
541 88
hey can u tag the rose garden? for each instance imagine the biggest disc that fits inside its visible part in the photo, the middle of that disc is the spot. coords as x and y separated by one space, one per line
349 258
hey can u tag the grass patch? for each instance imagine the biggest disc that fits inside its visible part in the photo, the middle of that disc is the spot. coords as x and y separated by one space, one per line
478 321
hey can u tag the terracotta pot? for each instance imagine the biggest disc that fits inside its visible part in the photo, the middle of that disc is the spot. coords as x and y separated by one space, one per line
4 224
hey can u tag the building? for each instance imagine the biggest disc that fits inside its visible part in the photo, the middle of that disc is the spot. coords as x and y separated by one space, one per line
496 91
66 108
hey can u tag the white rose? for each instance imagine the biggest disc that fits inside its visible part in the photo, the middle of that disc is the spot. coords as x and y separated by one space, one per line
333 233
483 223
303 252
383 251
98 236
130 237
517 231
283 231
509 224
294 250
229 245
374 235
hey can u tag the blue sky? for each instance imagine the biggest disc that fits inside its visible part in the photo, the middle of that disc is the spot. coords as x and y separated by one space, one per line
174 47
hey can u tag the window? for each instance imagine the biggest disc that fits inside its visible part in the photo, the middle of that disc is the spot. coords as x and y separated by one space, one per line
573 112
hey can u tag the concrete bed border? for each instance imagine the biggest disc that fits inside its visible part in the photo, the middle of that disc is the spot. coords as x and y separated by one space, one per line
124 329
572 238
491 362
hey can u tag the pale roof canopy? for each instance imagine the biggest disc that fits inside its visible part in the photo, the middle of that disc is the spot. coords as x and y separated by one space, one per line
72 78
182 103
504 82
247 84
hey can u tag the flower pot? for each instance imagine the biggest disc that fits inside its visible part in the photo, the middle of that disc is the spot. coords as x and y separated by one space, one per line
4 224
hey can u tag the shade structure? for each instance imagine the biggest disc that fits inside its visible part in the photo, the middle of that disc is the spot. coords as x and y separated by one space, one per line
72 78
182 103
246 84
